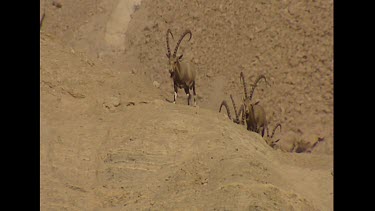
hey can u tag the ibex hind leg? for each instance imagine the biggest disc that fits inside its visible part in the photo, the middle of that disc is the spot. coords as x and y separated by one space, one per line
195 94
263 130
187 94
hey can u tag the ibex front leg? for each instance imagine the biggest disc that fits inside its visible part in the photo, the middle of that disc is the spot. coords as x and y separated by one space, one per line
175 92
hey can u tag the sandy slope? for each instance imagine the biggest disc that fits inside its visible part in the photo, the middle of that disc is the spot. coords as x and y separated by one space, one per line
109 140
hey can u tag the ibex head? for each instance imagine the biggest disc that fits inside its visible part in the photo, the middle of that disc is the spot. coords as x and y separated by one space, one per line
247 99
174 60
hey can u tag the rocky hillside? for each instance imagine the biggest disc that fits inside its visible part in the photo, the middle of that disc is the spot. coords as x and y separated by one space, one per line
110 140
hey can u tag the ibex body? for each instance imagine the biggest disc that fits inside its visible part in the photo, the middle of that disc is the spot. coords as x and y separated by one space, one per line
256 119
183 73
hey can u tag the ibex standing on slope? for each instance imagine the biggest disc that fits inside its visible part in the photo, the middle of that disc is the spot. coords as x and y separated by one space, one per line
183 73
253 113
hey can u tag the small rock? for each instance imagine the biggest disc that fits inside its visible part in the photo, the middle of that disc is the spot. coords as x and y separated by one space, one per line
155 26
134 71
299 101
221 7
130 104
111 103
156 84
326 110
76 94
115 101
147 40
56 4
136 7
91 63
194 15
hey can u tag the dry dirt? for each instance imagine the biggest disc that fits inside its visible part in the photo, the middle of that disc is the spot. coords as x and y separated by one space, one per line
110 141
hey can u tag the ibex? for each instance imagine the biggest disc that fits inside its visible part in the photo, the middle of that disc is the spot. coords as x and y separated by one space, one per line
304 146
183 73
253 113
269 139
237 119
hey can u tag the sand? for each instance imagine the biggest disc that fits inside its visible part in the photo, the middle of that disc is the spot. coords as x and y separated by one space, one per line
111 141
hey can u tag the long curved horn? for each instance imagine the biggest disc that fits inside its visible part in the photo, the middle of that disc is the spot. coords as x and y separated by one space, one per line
255 85
244 84
167 38
316 143
235 108
273 132
179 41
225 104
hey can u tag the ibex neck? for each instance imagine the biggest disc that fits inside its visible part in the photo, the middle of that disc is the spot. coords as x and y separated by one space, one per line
178 68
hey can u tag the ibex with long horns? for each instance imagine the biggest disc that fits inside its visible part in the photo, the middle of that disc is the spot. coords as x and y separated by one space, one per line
254 114
183 73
